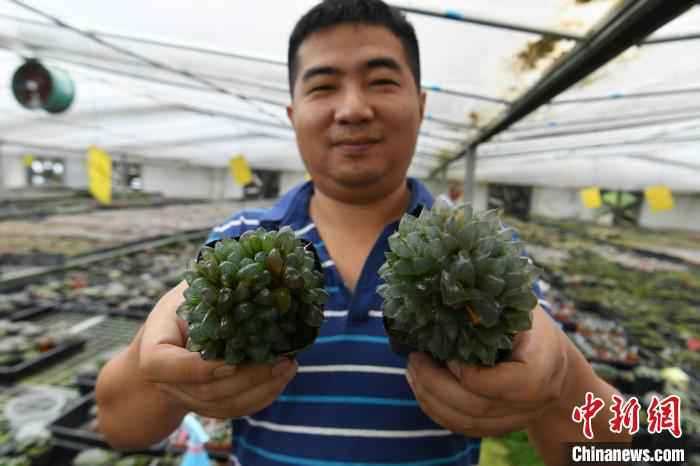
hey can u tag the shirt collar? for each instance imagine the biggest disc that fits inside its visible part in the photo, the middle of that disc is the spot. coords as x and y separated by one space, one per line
420 197
294 205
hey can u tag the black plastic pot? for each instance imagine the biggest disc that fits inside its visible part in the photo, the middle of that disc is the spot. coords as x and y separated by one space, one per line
397 347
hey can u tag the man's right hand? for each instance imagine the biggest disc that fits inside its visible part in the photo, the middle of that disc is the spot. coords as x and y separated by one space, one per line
210 388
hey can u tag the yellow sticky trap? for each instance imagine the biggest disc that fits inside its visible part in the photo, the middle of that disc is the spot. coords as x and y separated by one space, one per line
591 197
240 170
100 175
659 198
27 160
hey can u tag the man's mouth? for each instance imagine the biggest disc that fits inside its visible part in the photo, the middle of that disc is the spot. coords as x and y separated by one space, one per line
356 145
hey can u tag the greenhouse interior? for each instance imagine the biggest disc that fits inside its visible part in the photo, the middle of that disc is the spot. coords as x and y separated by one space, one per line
143 144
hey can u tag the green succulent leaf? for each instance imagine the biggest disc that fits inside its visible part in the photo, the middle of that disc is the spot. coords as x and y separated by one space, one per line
243 311
210 325
400 247
491 285
463 270
524 300
248 273
281 299
269 241
518 321
407 224
293 279
286 240
453 293
263 298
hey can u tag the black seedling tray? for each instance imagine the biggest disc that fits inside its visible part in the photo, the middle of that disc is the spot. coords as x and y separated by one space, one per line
129 313
69 428
86 384
11 373
64 452
615 363
61 456
101 308
30 312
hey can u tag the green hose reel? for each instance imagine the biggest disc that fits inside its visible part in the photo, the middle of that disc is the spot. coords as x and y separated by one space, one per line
36 86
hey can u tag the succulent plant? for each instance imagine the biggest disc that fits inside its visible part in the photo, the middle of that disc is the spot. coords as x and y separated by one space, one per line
255 298
456 285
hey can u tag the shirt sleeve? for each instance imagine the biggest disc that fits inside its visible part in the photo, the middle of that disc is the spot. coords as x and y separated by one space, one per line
236 225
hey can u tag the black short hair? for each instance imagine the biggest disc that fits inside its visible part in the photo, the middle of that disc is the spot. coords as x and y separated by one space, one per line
331 13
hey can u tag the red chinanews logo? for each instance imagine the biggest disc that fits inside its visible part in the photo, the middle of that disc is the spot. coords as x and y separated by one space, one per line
662 415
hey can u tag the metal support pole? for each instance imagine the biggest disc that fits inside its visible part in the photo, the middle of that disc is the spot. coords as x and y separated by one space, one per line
2 167
469 188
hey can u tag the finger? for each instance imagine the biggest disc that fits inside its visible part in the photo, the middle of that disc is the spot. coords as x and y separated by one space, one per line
166 363
533 374
236 404
472 426
246 377
261 397
439 383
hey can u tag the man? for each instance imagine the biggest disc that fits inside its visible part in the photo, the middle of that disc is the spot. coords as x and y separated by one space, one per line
453 195
356 109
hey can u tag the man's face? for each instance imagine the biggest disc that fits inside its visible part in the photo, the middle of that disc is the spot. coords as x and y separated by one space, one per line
355 110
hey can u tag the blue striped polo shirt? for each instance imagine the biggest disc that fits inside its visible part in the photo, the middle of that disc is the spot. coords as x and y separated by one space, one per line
349 403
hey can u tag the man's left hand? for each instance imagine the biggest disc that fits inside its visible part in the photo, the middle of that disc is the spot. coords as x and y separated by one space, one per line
491 401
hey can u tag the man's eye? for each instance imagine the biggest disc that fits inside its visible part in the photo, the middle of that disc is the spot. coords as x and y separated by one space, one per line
323 87
384 82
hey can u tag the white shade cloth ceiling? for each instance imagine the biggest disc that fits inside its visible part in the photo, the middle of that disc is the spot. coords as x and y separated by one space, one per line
199 82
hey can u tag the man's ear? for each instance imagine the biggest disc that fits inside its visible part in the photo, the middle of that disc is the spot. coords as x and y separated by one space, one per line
290 113
421 102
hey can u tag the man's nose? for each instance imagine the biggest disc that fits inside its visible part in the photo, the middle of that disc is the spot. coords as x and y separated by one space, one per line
353 108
